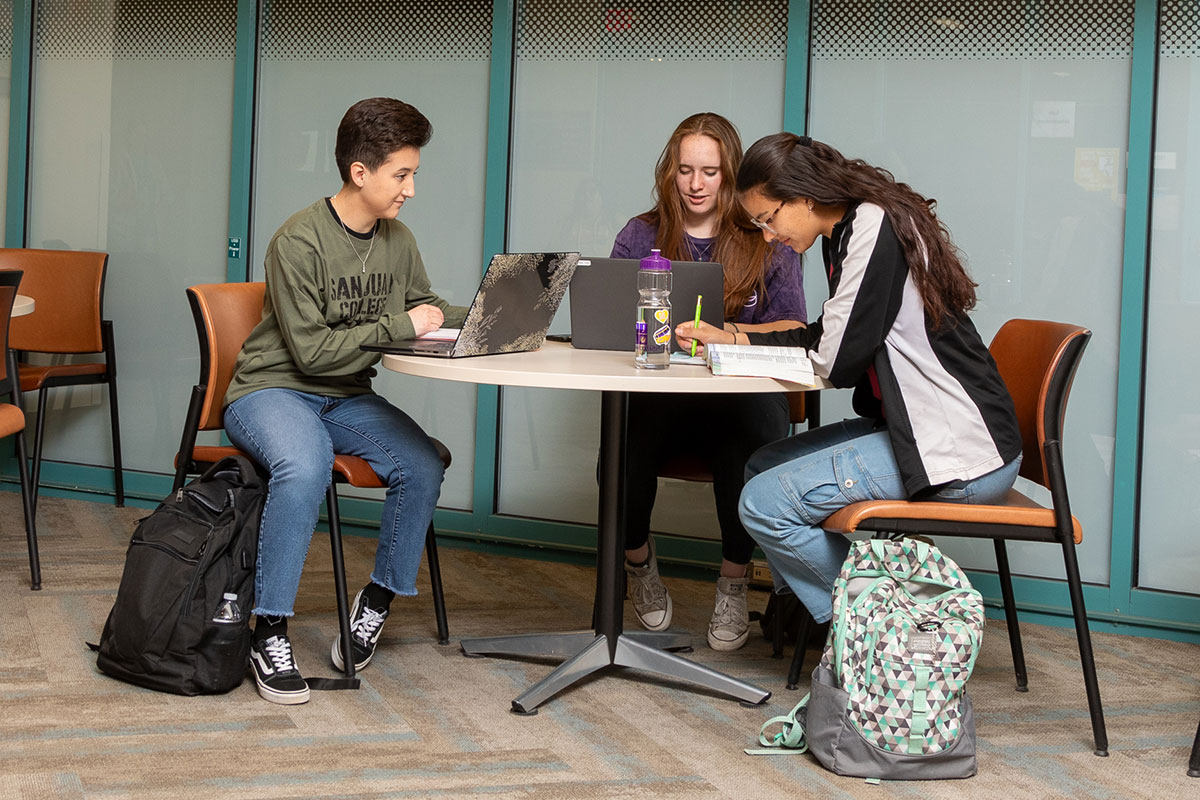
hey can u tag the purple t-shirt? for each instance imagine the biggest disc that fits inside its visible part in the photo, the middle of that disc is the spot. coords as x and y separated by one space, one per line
784 279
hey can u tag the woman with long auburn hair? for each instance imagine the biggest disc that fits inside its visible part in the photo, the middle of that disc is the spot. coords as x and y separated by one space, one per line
936 420
696 217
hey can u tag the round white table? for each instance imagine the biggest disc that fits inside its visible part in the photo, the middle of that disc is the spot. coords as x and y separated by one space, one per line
561 366
22 305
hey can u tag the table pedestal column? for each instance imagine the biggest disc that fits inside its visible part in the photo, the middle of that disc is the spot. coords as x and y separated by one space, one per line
608 645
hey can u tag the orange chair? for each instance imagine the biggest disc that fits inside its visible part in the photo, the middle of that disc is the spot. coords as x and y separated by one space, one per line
68 286
225 313
12 418
1037 360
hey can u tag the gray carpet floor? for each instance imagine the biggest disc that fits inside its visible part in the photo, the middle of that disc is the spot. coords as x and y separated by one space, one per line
430 723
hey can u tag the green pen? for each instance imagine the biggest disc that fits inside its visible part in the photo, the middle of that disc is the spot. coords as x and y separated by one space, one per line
696 324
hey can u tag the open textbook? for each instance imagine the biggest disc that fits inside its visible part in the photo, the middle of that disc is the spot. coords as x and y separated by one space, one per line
784 363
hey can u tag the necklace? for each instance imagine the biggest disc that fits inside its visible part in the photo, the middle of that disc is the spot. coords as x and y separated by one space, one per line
346 232
701 253
361 259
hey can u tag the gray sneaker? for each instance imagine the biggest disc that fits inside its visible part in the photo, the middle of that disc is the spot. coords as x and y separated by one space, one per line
651 602
730 624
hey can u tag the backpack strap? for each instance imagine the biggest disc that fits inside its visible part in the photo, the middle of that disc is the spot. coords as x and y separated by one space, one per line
919 721
332 684
248 472
790 738
880 548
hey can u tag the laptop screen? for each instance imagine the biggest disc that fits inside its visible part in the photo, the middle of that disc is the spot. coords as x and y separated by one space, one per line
604 299
515 303
511 311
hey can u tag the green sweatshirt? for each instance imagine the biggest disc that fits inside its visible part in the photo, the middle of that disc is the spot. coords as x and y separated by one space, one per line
322 303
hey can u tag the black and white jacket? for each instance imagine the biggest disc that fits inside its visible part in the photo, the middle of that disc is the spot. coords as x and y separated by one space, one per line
947 411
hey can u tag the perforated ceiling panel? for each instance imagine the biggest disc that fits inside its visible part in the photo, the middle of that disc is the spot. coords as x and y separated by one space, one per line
695 30
377 30
930 30
136 29
1179 29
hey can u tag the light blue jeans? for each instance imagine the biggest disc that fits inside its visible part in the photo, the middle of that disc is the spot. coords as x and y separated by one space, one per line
792 485
294 436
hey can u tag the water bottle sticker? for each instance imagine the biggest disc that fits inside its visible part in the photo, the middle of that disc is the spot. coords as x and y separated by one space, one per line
662 315
662 335
640 328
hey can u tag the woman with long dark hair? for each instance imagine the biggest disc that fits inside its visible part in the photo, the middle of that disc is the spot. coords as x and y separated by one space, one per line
936 421
696 217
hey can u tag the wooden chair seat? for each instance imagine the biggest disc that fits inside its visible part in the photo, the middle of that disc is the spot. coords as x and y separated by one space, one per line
12 419
352 470
34 376
1017 511
358 473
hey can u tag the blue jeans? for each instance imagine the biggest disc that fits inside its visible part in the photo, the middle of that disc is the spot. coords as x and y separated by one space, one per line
294 436
792 485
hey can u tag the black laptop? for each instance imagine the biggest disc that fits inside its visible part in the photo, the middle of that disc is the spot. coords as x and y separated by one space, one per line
516 300
604 299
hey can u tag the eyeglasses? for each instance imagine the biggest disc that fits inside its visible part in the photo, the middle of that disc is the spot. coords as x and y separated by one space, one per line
765 224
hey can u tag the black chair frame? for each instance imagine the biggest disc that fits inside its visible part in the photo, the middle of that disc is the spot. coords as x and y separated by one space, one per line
109 377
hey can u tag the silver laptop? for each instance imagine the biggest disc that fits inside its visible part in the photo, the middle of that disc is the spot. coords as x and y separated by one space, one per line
604 299
516 300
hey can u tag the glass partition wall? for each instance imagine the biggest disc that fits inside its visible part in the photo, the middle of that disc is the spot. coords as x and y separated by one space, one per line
1168 548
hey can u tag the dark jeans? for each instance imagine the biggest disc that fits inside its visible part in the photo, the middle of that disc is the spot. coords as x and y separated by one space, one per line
721 429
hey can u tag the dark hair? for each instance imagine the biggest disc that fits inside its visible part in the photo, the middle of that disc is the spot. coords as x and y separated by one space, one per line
740 249
373 129
784 166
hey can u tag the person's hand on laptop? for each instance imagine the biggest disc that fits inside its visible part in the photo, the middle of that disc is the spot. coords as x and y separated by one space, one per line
425 318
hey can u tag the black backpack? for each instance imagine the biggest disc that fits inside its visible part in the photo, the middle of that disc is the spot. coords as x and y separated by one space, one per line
200 544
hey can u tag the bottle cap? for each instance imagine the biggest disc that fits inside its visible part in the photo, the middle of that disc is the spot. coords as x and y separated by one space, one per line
229 596
656 261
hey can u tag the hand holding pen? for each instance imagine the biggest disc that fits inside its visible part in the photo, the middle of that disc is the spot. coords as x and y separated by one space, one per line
688 333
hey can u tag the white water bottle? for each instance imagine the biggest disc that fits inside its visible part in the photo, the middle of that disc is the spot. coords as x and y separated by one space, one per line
653 348
228 612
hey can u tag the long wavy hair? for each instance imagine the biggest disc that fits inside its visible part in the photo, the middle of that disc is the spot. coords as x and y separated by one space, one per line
784 166
740 248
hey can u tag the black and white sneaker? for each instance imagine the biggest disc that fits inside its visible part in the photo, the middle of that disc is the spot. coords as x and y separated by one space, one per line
365 626
276 673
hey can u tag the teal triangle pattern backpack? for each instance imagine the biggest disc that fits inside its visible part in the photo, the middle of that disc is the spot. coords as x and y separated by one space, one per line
888 697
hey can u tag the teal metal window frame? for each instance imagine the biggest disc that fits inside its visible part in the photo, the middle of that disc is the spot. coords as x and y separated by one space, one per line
1117 606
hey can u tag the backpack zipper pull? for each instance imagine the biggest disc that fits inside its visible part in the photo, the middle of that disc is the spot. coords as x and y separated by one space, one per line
179 495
